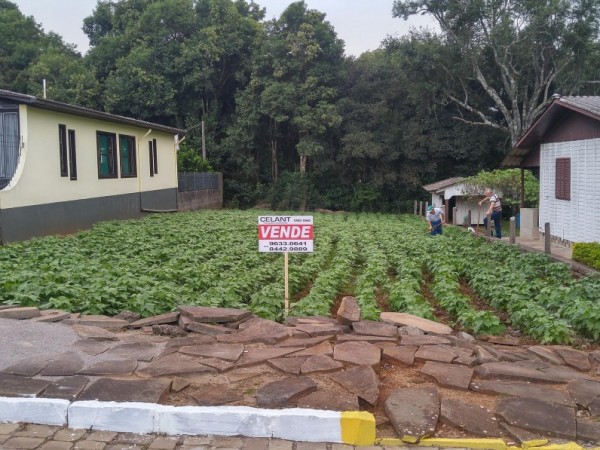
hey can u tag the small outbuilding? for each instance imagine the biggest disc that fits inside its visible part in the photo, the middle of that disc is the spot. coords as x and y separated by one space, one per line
64 167
449 194
564 145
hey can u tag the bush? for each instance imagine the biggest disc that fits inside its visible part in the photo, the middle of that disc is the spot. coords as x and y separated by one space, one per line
587 253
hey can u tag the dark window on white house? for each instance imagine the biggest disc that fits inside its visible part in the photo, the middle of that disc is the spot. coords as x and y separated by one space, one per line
562 185
62 146
72 155
127 153
153 156
107 154
9 142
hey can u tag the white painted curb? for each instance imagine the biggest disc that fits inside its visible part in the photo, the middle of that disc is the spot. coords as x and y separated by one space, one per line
295 424
45 411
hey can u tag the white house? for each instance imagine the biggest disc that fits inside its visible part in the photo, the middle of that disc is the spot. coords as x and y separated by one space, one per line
64 168
448 194
564 142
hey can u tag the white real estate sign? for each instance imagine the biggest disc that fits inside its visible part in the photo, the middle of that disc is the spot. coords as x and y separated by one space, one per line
285 234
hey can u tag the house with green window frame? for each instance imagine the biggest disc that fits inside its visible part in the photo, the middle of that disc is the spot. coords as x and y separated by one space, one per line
64 167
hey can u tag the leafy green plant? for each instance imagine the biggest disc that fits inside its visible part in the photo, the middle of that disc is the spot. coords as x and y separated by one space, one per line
587 253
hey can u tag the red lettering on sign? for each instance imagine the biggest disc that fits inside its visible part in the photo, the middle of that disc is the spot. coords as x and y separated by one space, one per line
285 232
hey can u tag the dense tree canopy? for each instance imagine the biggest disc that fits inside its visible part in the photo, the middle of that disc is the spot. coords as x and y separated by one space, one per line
289 119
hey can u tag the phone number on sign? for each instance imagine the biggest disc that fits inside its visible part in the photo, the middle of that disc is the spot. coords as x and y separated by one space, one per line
288 249
286 243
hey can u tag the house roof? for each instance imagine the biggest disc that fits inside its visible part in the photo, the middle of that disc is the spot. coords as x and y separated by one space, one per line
556 110
433 187
84 112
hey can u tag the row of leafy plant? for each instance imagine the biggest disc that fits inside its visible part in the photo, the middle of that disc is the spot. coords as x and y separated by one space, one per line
211 258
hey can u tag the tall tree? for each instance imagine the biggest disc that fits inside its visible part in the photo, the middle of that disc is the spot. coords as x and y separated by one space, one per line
513 51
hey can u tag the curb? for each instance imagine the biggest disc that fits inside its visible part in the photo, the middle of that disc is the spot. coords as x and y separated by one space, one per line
295 424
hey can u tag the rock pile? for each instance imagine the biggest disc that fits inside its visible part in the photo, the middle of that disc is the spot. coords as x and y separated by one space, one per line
486 386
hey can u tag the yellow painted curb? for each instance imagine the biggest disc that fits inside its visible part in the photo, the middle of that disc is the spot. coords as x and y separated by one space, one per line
358 428
410 439
483 443
534 443
565 446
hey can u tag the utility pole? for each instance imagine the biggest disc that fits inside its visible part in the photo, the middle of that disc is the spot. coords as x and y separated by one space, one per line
203 143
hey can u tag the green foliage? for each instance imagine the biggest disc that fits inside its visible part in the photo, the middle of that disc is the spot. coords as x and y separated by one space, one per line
190 160
508 183
587 253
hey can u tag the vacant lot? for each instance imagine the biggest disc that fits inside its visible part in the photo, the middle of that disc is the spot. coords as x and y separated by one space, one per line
387 262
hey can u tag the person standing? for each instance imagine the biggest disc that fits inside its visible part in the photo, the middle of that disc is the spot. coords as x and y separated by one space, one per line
435 218
494 211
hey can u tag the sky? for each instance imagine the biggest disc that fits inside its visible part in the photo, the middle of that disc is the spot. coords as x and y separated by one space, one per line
361 24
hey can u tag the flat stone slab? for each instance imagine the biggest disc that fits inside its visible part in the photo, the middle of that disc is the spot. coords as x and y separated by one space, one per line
28 367
449 375
171 317
502 340
362 381
114 367
179 384
51 315
470 418
17 386
174 364
356 337
324 348
291 364
91 346
67 388
207 328
105 322
20 313
67 364
138 351
426 325
190 340
260 355
96 333
220 364
523 437
320 363
413 412
330 401
372 328
322 329
538 416
404 354
424 339
349 311
282 393
109 389
359 353
516 372
588 431
522 389
546 353
440 353
575 358
229 352
565 373
259 330
215 395
584 392
304 342
213 315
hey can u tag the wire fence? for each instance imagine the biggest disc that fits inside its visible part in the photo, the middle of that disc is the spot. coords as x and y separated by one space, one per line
197 181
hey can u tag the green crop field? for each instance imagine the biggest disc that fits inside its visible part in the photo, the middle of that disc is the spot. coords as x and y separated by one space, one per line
388 262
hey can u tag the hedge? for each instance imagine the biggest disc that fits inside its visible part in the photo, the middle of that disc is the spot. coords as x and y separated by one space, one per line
587 253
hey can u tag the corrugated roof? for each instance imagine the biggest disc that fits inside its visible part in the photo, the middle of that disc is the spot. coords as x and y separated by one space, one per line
442 184
557 109
84 112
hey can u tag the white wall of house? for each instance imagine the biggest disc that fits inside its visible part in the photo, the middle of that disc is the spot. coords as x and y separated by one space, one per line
38 181
577 219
